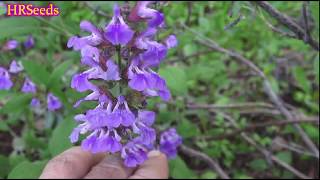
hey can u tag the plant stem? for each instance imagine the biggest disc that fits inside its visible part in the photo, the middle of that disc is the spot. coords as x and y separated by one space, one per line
118 48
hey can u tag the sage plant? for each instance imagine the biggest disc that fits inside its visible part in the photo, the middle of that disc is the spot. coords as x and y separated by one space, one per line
121 58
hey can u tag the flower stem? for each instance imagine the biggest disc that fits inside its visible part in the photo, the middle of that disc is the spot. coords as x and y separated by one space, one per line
118 48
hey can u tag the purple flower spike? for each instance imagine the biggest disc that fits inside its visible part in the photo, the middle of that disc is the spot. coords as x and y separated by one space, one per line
169 142
28 86
5 81
35 102
53 102
117 31
120 125
29 43
11 44
15 67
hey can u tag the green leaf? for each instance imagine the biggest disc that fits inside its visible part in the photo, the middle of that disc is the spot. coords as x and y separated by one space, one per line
301 78
316 68
14 26
176 79
258 165
58 73
209 175
60 137
179 169
285 156
27 170
187 129
4 166
21 101
3 126
2 9
36 72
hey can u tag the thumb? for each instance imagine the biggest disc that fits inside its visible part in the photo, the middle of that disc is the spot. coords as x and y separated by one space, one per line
156 167
111 167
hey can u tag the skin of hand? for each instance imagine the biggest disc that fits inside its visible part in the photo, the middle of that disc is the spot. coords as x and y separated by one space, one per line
76 163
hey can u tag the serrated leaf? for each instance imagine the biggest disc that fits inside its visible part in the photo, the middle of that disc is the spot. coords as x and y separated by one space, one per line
60 137
27 170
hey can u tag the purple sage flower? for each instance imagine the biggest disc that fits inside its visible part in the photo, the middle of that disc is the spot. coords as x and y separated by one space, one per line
141 11
15 67
93 40
169 142
53 102
29 86
35 102
5 81
171 41
11 44
119 59
117 31
29 43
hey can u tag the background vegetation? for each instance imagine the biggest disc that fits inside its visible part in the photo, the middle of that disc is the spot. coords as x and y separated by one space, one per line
232 121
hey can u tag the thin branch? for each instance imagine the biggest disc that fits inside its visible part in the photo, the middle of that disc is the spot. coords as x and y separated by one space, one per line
199 155
275 99
264 151
260 125
295 149
277 30
305 10
200 53
289 23
96 9
247 105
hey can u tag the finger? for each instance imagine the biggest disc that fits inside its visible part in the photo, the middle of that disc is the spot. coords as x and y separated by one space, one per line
73 163
156 167
111 167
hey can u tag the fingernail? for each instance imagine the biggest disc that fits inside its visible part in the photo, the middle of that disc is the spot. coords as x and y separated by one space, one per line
154 153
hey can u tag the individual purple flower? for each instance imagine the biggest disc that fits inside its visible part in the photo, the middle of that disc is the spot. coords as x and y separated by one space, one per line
134 153
15 67
121 114
147 81
53 102
28 86
154 52
171 41
35 102
5 81
169 142
143 127
112 72
93 40
117 31
29 43
11 44
81 83
141 11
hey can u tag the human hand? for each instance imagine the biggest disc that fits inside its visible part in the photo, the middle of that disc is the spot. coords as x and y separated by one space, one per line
76 163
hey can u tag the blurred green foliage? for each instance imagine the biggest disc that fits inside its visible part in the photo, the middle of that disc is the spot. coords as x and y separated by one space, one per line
193 74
